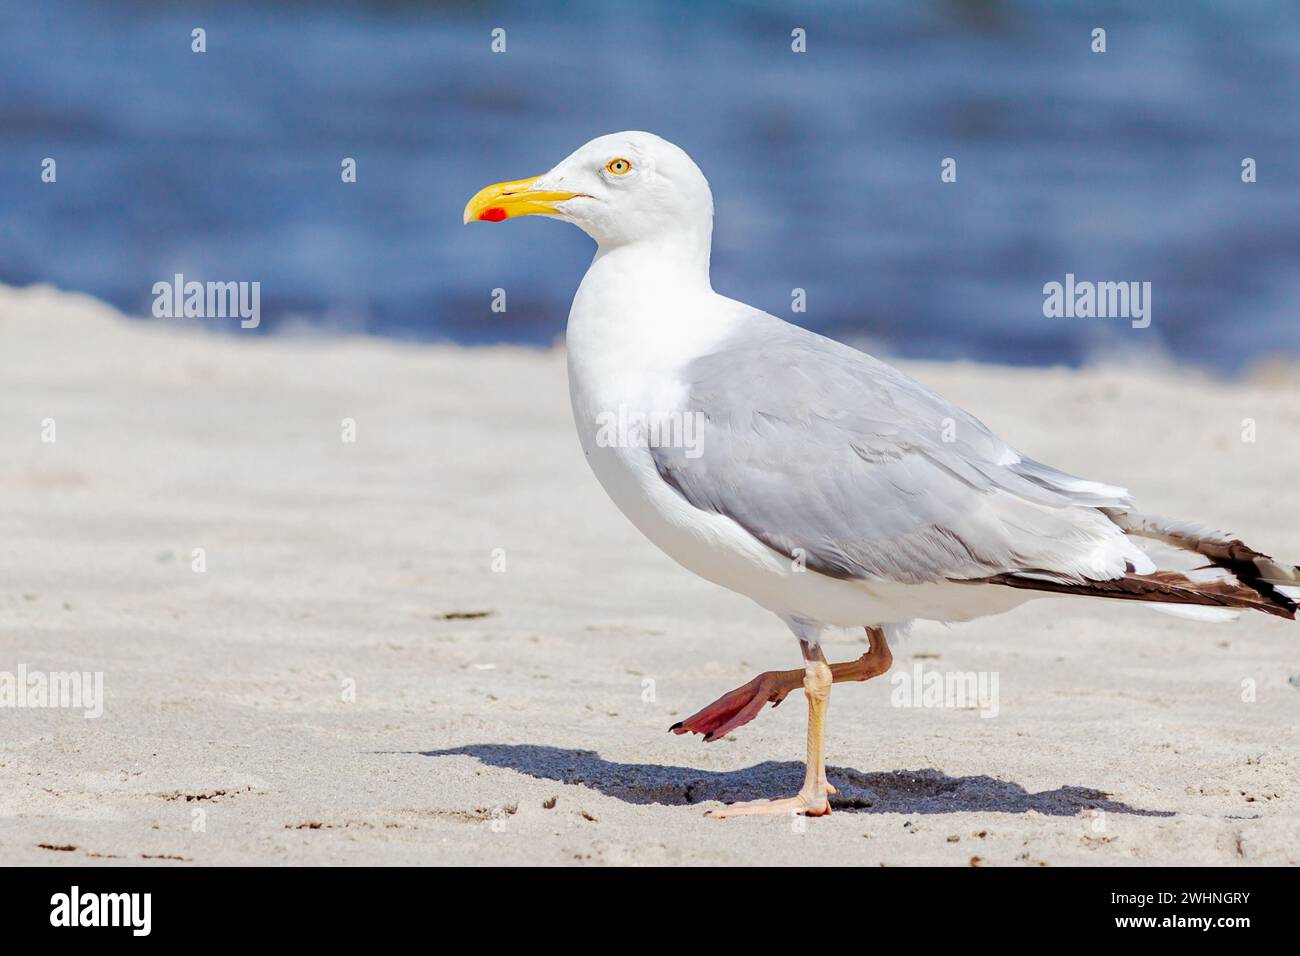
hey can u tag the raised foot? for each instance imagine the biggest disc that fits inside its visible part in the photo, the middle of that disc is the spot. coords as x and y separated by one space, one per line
738 707
808 805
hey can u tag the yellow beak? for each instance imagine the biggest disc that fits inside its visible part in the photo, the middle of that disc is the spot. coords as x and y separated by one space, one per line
507 200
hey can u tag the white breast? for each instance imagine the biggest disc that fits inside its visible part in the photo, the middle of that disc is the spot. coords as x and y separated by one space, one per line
626 354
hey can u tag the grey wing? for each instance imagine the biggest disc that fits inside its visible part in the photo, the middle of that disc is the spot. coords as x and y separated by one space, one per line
819 450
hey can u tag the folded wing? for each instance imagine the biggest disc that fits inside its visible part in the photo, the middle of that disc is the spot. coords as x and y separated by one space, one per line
825 453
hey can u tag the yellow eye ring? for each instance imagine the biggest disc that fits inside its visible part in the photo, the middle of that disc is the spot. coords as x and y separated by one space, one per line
618 166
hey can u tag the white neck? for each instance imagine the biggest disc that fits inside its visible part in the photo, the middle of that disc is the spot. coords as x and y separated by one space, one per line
679 258
644 310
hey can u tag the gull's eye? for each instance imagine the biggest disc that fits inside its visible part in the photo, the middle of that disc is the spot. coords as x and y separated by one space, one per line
619 166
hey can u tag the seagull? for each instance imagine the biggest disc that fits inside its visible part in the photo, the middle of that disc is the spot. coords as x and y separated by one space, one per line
820 482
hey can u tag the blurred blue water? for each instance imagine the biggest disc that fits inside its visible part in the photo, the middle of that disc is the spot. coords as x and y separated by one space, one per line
824 165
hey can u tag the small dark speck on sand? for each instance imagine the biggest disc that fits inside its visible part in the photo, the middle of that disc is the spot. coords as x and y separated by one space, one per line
463 615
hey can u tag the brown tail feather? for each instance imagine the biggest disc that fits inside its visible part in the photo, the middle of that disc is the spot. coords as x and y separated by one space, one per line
1253 569
1168 587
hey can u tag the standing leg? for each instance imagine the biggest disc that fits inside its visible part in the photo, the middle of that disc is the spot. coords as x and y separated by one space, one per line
812 799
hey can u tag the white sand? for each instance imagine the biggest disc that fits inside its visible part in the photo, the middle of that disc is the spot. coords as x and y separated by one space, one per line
226 738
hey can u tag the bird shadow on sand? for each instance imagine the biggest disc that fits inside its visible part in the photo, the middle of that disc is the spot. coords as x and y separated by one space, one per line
894 791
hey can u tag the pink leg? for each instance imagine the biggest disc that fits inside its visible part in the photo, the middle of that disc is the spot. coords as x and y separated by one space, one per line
738 707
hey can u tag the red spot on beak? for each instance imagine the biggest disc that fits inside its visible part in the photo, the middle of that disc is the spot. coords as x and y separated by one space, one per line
495 214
